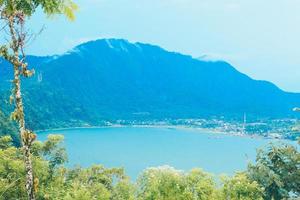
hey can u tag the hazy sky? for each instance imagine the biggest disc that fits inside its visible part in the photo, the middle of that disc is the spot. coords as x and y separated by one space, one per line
259 37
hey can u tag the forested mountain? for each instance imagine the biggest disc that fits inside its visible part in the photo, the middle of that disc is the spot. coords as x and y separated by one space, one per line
114 79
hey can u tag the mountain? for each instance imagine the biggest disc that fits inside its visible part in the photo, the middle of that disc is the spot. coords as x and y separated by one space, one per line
114 79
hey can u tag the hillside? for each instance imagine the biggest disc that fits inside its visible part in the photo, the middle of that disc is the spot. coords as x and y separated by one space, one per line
114 79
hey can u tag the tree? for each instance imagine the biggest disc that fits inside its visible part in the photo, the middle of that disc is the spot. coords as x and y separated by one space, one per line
166 183
201 185
277 169
240 187
15 14
163 183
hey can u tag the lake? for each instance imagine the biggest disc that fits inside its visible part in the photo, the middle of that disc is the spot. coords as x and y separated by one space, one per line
138 148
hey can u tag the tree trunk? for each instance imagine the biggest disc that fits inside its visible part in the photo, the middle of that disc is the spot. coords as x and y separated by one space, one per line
25 136
19 116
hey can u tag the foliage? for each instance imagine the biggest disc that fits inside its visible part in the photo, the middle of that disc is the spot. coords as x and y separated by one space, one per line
166 183
162 183
50 7
54 180
7 127
277 169
240 187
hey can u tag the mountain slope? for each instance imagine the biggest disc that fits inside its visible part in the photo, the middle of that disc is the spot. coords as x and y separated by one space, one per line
114 79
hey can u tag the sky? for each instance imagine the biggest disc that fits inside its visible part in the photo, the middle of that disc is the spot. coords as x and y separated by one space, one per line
259 38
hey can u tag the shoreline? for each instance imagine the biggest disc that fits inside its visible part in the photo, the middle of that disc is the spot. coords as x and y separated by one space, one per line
178 127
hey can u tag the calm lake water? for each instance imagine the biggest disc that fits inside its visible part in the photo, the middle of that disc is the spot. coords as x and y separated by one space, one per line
138 148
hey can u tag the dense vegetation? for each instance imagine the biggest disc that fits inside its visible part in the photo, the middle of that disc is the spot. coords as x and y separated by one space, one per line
8 128
275 175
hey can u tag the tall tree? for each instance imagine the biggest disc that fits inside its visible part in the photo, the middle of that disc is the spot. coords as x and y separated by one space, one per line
277 170
14 15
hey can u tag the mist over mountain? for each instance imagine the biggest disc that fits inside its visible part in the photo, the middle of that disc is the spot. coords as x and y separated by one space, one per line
112 79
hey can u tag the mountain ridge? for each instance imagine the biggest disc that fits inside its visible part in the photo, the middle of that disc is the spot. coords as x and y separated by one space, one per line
137 44
112 79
